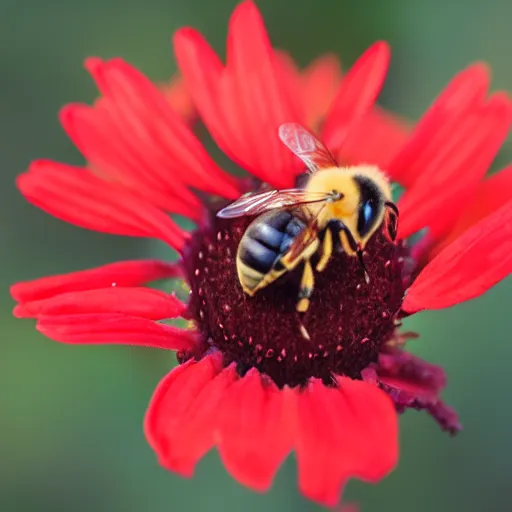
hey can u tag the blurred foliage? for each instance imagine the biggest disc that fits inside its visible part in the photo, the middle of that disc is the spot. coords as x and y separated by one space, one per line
71 417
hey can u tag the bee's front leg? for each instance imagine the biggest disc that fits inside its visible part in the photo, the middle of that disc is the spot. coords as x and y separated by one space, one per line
327 248
352 247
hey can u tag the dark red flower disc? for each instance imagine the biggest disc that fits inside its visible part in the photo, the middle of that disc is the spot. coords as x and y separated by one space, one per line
348 320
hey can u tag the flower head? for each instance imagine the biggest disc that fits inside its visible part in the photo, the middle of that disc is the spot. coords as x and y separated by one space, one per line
249 382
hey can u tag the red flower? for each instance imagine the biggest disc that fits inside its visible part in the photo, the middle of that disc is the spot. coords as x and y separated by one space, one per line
248 382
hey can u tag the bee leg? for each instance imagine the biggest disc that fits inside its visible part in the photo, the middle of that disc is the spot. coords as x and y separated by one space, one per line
327 247
361 261
348 242
391 220
307 283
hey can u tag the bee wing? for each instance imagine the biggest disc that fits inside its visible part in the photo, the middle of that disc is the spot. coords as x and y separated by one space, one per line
301 241
305 237
259 202
306 146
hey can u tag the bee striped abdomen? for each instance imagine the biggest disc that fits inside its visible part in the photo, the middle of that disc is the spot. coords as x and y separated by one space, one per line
258 255
262 246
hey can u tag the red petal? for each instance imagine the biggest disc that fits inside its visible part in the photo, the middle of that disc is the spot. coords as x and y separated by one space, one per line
153 132
76 196
143 302
491 194
320 83
243 104
178 96
264 104
411 388
95 132
124 273
453 168
254 433
114 328
347 432
183 413
375 139
468 267
203 74
410 374
202 68
465 93
357 94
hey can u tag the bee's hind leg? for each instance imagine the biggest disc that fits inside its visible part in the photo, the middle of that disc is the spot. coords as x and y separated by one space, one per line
307 283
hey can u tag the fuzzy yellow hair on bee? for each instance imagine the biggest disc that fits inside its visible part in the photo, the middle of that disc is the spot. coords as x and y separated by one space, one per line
364 192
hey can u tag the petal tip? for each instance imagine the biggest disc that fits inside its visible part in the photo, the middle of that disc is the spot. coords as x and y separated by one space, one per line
246 8
14 291
22 183
245 17
19 311
383 54
185 35
184 469
67 115
480 69
382 47
91 64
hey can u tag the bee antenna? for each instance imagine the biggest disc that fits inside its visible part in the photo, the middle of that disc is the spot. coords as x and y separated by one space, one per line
361 261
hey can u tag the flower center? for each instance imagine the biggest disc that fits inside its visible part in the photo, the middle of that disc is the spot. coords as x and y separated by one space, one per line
347 322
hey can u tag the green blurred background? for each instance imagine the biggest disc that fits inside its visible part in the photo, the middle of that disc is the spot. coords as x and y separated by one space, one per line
71 417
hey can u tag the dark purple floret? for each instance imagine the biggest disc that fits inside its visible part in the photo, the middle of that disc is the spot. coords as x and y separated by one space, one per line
348 322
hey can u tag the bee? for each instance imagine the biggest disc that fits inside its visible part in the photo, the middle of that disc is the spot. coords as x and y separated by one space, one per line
338 207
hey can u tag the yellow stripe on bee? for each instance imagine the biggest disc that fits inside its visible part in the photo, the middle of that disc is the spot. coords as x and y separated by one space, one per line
248 272
252 280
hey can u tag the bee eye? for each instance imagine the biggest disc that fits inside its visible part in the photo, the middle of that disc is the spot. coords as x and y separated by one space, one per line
368 213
